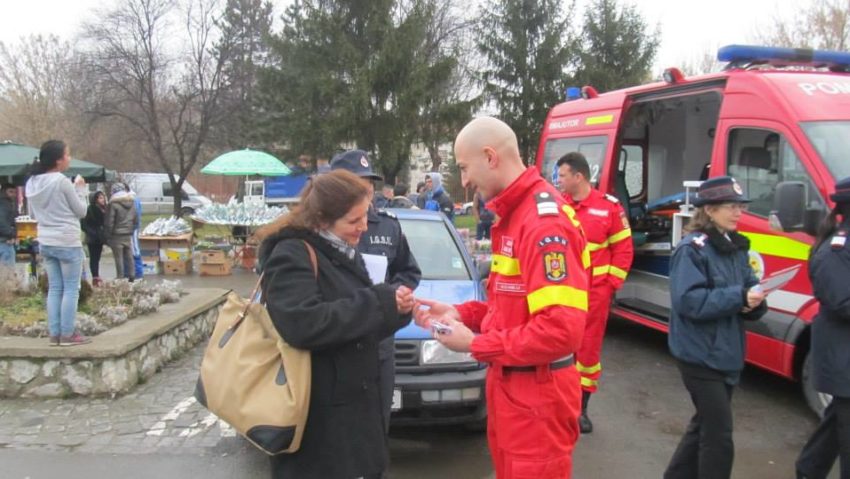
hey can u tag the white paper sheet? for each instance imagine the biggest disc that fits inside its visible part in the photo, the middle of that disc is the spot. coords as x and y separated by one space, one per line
376 265
779 279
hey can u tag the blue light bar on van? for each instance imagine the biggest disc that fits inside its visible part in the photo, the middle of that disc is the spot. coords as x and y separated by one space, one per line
573 93
783 56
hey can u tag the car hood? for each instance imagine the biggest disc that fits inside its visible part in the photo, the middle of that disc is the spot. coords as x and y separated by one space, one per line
446 291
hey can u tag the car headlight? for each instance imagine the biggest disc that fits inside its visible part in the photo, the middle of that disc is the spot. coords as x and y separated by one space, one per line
435 353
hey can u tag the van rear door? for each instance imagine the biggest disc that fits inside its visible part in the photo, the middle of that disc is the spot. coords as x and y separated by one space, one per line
591 133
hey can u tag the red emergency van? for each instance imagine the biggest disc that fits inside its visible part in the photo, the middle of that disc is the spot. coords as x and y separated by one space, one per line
776 119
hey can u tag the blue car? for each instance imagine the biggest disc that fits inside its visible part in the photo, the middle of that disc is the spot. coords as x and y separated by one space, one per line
434 385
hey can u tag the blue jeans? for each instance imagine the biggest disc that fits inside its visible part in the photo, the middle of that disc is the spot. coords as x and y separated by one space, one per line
64 266
7 253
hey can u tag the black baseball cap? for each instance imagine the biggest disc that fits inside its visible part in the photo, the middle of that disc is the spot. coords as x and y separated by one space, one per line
842 191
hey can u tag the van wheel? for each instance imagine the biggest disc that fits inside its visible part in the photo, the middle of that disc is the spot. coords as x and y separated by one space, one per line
816 400
187 211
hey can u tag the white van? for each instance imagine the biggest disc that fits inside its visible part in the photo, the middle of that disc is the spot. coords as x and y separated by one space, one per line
154 191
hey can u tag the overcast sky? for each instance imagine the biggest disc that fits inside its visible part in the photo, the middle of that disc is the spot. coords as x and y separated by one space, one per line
688 27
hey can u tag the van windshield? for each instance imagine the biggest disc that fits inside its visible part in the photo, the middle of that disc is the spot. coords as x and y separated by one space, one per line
832 140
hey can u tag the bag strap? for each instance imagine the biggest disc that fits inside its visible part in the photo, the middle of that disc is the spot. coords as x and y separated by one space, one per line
313 260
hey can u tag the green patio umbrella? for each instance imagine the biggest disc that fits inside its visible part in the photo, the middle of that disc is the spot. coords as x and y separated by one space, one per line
246 162
15 162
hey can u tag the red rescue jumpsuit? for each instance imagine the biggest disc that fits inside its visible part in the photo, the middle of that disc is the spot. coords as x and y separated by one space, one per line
608 234
534 316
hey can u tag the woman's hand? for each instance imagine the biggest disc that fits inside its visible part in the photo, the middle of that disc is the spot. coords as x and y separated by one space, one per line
754 298
427 309
404 300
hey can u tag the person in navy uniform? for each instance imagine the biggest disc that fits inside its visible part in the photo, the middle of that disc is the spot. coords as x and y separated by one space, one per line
385 238
829 269
713 290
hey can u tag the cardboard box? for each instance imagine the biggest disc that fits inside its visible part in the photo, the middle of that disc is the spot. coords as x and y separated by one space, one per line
151 267
210 269
214 256
175 254
182 241
177 267
149 247
26 229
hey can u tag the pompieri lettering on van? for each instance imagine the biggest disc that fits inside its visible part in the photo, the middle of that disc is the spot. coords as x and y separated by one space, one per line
562 124
828 88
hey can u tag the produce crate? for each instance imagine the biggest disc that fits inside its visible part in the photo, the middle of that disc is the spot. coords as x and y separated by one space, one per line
26 229
177 268
149 248
151 266
211 269
175 254
214 256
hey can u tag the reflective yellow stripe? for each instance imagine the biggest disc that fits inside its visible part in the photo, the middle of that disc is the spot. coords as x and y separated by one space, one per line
617 272
589 383
776 245
505 266
571 214
596 246
557 296
589 369
585 258
599 120
626 233
600 270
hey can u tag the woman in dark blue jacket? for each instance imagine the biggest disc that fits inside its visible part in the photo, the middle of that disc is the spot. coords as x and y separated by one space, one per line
713 290
829 269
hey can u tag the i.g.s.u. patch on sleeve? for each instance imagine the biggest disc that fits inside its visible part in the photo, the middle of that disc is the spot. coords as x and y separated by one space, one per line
555 265
839 240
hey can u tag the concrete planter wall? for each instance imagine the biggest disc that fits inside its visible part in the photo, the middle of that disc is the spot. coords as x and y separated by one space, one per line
115 361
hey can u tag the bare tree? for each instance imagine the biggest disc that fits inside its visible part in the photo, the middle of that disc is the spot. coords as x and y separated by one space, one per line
34 80
702 63
167 90
822 24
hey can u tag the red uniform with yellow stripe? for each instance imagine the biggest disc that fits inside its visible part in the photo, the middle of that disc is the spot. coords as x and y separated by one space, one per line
535 315
609 239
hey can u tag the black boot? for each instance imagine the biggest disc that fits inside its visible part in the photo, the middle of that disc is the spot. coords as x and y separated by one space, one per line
584 424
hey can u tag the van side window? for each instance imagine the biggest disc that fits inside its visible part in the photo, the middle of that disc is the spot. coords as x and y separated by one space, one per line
166 191
593 148
759 159
631 167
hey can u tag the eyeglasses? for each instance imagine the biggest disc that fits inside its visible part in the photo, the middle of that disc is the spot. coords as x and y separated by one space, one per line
734 206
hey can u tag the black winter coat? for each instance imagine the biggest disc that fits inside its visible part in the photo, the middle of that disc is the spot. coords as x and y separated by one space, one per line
340 318
7 220
829 269
94 223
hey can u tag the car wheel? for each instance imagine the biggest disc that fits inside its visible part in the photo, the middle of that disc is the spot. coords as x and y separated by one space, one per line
816 400
186 211
467 210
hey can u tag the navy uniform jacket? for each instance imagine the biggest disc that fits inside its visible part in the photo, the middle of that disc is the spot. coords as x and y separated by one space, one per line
384 237
709 278
829 269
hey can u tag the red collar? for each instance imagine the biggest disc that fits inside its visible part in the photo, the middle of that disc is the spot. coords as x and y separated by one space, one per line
506 201
594 194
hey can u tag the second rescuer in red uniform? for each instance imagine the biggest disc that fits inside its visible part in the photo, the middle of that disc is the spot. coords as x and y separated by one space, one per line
609 239
533 321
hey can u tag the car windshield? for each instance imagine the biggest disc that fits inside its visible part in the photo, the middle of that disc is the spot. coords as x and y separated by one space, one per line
832 141
434 249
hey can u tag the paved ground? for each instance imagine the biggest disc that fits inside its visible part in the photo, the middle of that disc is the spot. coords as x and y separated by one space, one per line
159 431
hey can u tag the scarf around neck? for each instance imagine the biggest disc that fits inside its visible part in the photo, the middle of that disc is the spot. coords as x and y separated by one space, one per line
339 244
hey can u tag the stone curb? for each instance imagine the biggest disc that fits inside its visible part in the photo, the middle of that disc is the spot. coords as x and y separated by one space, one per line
122 339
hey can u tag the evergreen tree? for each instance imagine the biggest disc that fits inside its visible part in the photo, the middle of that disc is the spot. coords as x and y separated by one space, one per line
616 49
528 46
245 28
353 71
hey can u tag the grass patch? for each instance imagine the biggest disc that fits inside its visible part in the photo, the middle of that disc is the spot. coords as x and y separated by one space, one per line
465 221
24 311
